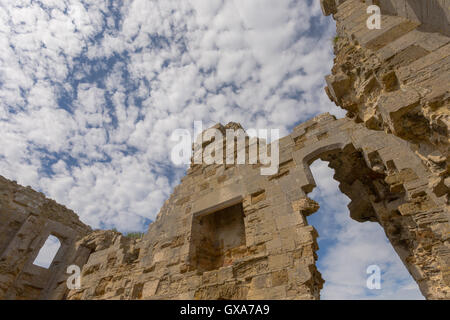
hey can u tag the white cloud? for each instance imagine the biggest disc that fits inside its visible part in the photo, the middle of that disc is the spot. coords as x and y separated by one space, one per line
93 133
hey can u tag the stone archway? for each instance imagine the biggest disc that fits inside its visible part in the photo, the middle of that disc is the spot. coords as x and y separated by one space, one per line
344 208
275 257
386 184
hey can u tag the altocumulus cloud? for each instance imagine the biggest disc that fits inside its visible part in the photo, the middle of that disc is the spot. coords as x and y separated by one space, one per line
90 91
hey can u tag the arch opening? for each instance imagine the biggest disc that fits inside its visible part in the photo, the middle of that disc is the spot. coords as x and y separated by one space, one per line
48 252
347 248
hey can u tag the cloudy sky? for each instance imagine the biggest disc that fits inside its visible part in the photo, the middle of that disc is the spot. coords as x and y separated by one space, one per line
347 248
90 92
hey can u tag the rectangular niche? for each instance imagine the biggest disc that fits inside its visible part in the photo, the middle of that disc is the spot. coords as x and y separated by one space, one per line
214 235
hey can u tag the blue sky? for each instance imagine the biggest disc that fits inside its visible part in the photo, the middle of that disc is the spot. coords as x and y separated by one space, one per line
90 92
347 248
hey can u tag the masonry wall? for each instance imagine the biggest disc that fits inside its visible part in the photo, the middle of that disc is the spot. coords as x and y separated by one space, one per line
390 156
396 79
386 182
27 218
434 15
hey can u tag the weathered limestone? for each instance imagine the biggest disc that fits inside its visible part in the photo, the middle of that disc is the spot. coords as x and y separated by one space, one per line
397 80
228 232
27 218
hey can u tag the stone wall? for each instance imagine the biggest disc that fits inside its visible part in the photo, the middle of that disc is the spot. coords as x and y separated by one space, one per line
434 15
228 232
396 79
27 218
385 180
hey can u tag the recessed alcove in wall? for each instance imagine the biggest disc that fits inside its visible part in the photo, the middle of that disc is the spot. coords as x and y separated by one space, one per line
48 252
214 235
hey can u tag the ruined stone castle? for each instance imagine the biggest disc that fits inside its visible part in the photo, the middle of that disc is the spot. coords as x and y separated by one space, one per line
228 232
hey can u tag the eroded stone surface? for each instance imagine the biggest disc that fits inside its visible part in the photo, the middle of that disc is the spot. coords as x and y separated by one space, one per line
398 81
228 232
27 218
265 249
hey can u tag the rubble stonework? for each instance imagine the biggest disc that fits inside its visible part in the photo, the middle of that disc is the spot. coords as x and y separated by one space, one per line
396 79
27 218
228 232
